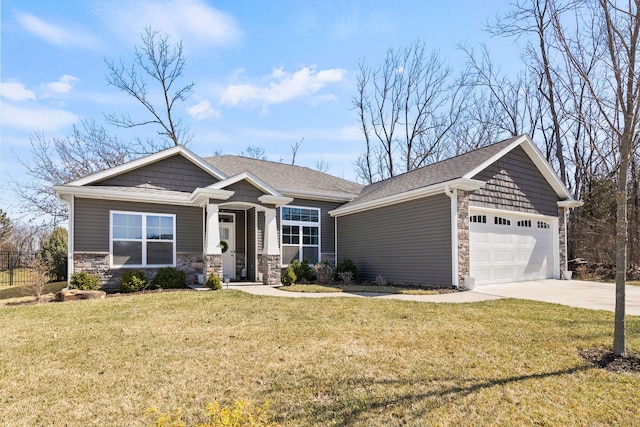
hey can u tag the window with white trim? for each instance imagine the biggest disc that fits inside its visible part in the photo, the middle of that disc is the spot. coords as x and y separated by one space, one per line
140 239
498 220
542 224
524 223
300 234
482 219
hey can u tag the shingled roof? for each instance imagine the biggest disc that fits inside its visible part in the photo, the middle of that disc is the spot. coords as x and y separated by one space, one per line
287 179
444 171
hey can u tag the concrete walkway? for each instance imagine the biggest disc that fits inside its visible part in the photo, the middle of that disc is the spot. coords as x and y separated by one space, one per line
573 293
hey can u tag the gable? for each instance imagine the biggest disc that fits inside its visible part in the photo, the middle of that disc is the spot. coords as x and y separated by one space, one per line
515 183
175 173
244 191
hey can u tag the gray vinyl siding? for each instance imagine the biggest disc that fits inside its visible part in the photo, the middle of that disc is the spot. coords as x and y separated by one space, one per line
260 231
514 183
91 223
175 173
327 224
244 192
407 242
251 244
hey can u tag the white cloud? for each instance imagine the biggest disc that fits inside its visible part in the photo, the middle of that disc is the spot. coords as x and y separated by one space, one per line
193 21
64 85
16 91
203 110
56 34
283 87
37 118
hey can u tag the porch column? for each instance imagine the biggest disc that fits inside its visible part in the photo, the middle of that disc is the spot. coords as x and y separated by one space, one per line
271 233
269 260
213 252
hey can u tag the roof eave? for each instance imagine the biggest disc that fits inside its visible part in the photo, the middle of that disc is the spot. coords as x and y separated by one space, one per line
464 184
297 194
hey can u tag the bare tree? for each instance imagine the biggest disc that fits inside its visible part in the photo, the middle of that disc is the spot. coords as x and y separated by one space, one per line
322 166
613 28
163 63
254 152
405 112
294 150
89 149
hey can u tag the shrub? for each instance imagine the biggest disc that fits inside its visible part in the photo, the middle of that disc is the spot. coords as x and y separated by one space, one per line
346 277
302 270
213 282
323 271
289 276
54 254
344 266
85 281
381 280
133 281
169 278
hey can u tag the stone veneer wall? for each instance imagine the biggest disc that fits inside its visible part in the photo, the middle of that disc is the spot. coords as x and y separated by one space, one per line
269 266
562 218
213 265
463 237
98 263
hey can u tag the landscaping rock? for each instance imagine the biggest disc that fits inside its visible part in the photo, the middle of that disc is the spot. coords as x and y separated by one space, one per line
76 294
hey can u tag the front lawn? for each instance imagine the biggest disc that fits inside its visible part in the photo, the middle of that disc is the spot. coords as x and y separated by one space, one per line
22 290
324 362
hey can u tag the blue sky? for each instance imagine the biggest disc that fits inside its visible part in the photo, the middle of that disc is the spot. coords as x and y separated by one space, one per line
267 74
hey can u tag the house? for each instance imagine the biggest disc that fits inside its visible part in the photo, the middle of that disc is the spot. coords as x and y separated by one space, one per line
495 214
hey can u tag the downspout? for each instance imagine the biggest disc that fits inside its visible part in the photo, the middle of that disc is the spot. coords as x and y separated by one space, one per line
453 195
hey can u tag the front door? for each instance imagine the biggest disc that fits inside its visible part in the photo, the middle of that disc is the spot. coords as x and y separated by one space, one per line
228 244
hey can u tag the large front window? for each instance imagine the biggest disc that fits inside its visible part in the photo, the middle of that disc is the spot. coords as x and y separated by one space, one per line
142 239
300 232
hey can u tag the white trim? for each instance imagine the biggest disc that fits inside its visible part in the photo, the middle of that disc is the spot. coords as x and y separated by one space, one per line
146 160
70 242
275 200
310 195
570 203
465 184
301 224
453 195
201 196
143 240
246 176
536 157
554 220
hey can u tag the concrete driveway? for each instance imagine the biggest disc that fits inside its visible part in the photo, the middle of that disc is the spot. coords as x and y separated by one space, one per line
574 293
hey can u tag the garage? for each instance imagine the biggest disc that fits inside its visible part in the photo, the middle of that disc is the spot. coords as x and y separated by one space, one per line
508 247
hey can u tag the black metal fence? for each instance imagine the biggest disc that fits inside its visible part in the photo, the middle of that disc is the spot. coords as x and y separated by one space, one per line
15 268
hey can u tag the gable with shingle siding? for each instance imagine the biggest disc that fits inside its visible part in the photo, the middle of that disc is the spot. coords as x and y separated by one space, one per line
514 183
174 173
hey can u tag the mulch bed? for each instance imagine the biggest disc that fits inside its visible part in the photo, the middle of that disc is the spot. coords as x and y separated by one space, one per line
605 359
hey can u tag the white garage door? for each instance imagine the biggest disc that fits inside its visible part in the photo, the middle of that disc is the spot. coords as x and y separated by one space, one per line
507 248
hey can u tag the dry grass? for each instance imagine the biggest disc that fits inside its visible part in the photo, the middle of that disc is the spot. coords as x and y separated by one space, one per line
361 289
324 362
23 291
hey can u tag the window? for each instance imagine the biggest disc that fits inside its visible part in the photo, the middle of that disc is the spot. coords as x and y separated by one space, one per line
482 219
300 233
542 224
501 221
142 239
524 223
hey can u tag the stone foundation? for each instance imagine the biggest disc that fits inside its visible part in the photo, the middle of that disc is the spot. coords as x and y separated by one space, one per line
269 266
98 263
213 265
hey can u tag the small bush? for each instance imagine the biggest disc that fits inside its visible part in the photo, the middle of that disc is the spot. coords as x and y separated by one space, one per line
344 266
302 270
169 278
213 282
133 281
323 271
381 280
346 277
85 281
289 276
